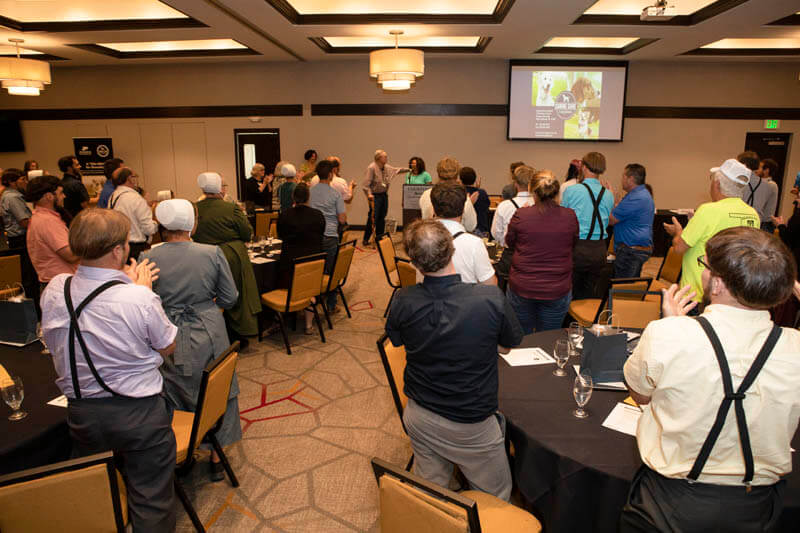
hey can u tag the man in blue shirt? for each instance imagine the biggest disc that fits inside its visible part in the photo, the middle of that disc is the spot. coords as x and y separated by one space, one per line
632 219
108 187
592 204
328 200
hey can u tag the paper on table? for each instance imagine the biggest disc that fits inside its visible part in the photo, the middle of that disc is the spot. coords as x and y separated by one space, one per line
527 357
60 401
259 260
623 418
618 385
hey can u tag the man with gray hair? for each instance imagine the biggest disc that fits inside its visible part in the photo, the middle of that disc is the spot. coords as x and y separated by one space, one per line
258 187
450 330
376 188
726 210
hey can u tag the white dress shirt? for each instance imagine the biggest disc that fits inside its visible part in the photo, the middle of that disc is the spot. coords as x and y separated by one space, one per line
674 364
123 327
471 260
468 219
132 205
337 184
504 212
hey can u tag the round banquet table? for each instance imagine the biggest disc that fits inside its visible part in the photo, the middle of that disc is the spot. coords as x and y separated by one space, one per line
42 437
574 474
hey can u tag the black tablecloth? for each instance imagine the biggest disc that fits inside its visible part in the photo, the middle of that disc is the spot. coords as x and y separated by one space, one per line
42 437
661 239
574 474
267 273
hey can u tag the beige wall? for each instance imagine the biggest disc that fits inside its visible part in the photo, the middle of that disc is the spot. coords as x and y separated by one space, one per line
169 153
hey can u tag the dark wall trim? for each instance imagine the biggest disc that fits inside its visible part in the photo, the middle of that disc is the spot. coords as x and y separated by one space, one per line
791 20
40 57
102 25
96 48
285 8
715 113
480 110
93 113
635 45
326 47
739 52
711 10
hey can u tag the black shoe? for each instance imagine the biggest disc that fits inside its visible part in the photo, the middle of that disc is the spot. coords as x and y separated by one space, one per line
216 472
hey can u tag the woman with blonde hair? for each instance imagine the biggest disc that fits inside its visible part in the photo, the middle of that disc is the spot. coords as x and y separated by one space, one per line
542 237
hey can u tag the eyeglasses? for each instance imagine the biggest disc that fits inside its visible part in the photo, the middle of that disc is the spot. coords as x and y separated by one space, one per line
702 263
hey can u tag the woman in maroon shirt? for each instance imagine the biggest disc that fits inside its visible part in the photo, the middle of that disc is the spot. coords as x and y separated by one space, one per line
542 237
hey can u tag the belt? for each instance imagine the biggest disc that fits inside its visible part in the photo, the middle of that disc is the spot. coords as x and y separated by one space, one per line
375 193
640 248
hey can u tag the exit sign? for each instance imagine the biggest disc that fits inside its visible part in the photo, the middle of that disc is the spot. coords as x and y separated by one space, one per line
772 124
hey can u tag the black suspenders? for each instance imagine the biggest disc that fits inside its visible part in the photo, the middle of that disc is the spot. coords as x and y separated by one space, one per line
596 213
114 203
513 202
737 398
751 200
75 330
455 236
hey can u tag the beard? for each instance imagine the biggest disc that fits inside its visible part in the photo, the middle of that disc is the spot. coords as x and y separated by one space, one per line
706 293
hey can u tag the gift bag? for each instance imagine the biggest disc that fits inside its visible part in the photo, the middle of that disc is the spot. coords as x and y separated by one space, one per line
605 350
18 318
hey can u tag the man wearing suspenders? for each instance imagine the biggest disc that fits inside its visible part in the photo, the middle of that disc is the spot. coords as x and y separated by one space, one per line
108 335
719 395
592 204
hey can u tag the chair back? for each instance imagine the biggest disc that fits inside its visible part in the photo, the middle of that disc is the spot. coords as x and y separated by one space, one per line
610 250
630 310
212 401
273 228
494 200
263 223
409 503
344 258
10 271
306 280
406 272
85 494
386 251
671 266
394 364
638 285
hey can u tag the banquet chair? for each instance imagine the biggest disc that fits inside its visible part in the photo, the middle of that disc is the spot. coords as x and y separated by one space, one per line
191 428
263 223
387 253
85 494
406 272
304 285
629 309
394 364
10 271
410 503
335 282
670 270
587 311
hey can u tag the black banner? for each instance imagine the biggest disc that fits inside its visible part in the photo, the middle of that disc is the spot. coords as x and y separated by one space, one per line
92 152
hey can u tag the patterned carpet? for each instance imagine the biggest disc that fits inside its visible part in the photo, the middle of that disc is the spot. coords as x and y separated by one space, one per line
311 423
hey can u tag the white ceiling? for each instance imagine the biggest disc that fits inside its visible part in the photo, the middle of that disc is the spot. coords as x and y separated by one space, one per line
529 25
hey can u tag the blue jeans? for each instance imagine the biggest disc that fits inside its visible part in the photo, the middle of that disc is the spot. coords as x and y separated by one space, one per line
539 315
629 261
329 246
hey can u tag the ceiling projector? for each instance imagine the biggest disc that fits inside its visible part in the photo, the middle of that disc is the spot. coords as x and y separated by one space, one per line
658 12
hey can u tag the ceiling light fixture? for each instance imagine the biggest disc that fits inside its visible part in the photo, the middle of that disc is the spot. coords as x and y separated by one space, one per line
396 68
25 77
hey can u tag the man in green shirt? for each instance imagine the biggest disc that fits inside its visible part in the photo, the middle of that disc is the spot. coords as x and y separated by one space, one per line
726 210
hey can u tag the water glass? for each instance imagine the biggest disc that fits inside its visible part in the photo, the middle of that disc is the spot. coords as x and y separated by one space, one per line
575 334
561 353
13 394
582 391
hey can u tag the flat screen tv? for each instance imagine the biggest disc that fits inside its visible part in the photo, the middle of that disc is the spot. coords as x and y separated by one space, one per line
566 100
11 135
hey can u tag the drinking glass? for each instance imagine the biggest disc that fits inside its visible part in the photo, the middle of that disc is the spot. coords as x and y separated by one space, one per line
575 334
561 353
582 391
13 394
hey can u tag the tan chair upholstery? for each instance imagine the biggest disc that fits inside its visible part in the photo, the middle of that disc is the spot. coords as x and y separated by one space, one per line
394 364
629 310
191 428
386 249
333 283
406 273
10 271
670 271
82 495
409 503
587 311
263 223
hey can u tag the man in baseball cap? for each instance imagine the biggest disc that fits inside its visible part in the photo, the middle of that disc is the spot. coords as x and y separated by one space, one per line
725 210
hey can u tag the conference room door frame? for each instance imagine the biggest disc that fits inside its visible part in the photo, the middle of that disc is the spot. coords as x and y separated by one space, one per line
771 145
255 145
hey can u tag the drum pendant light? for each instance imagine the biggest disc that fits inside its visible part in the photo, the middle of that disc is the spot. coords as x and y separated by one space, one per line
396 68
20 76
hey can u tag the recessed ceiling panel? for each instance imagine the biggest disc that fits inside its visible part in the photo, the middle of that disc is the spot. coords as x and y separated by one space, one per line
169 46
85 10
733 44
634 7
365 7
591 42
405 42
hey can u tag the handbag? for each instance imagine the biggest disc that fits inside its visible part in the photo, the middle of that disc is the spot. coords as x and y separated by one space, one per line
18 319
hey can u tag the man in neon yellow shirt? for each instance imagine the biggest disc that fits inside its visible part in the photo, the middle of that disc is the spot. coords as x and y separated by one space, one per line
726 210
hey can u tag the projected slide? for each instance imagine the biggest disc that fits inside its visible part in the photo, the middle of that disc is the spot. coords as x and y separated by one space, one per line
569 102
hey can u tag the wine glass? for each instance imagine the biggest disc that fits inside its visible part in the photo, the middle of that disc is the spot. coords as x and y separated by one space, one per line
13 393
561 353
575 334
582 391
40 336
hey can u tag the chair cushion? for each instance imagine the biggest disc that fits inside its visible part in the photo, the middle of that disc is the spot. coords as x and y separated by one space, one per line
277 300
497 516
584 311
182 427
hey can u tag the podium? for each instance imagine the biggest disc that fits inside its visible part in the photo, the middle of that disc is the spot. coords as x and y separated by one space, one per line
411 196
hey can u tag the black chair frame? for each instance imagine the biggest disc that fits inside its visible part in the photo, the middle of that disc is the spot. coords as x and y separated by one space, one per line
386 271
398 404
381 468
611 286
338 287
105 458
183 468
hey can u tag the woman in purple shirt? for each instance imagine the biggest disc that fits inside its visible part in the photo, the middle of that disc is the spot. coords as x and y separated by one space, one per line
542 236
